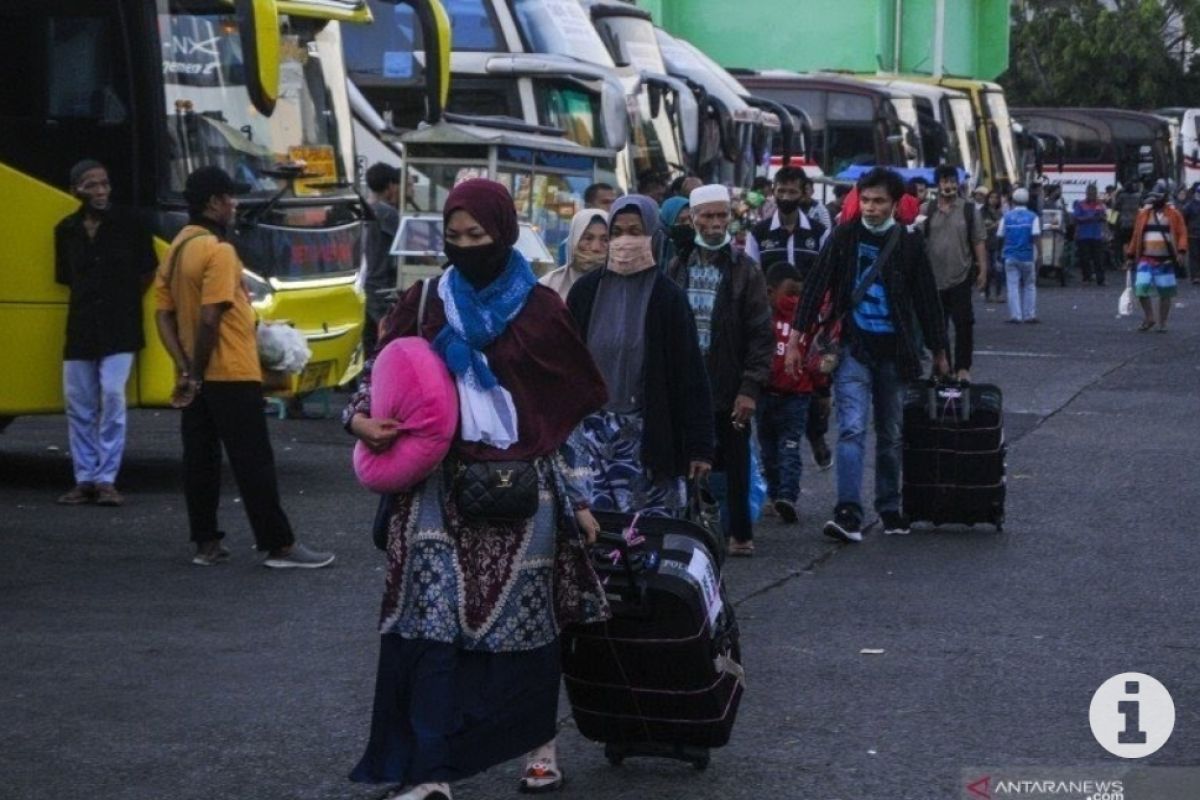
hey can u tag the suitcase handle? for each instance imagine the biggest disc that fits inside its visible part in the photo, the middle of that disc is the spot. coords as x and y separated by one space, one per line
958 398
635 593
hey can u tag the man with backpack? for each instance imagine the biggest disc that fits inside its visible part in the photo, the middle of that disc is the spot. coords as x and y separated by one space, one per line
881 288
957 244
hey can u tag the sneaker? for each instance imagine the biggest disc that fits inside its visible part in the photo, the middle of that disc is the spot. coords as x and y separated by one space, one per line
846 524
822 455
894 523
210 558
786 510
107 495
300 557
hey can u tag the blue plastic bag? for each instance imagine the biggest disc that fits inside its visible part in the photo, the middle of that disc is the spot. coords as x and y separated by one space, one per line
719 485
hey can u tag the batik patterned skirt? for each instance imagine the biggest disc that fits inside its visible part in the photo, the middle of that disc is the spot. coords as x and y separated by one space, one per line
609 445
469 665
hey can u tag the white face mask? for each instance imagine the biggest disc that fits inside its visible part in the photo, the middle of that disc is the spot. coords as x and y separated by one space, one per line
699 240
882 227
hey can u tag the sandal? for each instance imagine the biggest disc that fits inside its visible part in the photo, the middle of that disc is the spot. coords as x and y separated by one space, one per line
541 776
1145 326
425 791
742 549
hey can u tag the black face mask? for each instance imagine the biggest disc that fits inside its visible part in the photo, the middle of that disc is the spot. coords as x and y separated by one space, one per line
787 206
682 236
481 264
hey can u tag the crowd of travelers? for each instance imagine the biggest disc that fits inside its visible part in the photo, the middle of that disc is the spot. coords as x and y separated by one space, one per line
679 325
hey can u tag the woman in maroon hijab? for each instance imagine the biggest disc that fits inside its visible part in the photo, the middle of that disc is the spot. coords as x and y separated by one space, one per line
469 667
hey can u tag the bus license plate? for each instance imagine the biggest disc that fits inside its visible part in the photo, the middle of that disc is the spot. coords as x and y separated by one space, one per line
314 377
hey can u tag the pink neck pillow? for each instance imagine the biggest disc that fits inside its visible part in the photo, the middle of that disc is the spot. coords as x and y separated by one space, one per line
411 385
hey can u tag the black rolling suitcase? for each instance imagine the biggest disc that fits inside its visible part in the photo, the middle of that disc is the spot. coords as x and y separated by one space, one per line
663 676
954 453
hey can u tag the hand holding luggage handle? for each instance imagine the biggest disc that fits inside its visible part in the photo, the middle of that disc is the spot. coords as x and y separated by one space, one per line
951 395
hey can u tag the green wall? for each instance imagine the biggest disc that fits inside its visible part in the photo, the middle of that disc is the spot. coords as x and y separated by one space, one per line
806 35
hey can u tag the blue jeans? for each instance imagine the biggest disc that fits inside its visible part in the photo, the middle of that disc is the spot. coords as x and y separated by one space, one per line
1022 289
95 395
782 420
857 389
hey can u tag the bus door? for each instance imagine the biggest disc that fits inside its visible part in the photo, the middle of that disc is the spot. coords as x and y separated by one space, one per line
68 94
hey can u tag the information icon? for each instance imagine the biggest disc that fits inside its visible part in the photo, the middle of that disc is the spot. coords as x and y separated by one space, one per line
1132 715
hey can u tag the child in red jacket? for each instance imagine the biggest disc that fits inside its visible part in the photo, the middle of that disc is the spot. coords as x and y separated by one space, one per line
783 408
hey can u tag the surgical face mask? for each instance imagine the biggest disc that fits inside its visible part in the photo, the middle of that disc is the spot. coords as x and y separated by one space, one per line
712 248
588 260
882 227
630 254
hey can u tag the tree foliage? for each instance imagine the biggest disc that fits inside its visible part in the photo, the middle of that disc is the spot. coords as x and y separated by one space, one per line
1132 54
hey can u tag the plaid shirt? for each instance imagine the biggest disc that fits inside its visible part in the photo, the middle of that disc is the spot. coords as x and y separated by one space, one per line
911 289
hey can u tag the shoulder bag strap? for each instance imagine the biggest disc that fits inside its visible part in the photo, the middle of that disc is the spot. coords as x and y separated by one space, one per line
175 258
425 282
860 291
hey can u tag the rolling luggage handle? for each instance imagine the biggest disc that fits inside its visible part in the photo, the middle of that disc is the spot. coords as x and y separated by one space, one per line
952 395
621 555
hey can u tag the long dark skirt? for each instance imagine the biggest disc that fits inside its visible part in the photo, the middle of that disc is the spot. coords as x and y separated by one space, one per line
443 714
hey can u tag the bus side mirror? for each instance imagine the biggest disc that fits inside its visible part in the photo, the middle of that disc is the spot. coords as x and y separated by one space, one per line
655 92
258 26
435 32
614 114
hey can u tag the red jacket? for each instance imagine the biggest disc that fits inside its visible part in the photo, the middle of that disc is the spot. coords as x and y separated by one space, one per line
783 312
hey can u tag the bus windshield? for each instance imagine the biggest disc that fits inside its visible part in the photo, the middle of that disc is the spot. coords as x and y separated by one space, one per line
210 119
906 112
1001 133
964 133
560 27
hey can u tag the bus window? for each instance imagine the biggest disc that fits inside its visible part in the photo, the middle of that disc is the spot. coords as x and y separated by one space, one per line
850 131
576 111
963 117
71 100
387 45
209 117
1001 135
560 27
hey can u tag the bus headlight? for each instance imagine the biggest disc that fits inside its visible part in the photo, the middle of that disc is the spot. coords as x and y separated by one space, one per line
259 288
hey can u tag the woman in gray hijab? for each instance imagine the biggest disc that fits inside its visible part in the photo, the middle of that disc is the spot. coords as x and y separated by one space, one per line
656 430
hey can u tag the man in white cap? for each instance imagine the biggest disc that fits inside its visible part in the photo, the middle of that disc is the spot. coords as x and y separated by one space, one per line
728 296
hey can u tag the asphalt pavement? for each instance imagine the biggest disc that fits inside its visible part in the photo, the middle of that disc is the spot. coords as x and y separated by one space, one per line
126 672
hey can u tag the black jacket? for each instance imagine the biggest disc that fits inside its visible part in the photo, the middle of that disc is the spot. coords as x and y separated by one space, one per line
912 292
678 408
106 276
743 338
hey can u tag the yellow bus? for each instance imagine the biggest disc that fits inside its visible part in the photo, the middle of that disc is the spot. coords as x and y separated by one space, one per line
154 89
993 127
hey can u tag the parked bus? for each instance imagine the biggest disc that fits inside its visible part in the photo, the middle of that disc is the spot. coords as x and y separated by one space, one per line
1101 146
540 62
853 122
946 123
993 128
1187 142
746 129
155 89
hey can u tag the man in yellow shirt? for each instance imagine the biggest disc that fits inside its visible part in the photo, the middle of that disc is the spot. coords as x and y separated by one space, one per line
206 323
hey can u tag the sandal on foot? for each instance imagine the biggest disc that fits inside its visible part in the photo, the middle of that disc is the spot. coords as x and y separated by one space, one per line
425 791
540 777
742 549
1145 326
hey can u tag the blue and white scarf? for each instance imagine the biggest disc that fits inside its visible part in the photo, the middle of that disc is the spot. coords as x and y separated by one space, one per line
474 319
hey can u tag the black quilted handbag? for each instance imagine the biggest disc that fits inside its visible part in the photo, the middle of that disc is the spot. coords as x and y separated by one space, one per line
496 491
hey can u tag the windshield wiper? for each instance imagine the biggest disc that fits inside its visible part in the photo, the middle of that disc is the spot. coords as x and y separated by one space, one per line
286 172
